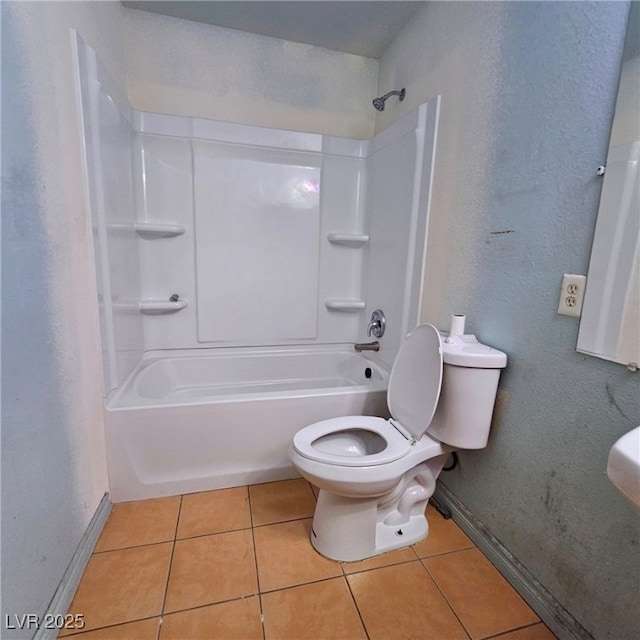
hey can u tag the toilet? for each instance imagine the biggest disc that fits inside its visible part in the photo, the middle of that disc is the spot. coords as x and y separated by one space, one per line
376 476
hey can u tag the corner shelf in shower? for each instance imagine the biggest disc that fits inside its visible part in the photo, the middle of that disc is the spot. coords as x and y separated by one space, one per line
153 230
348 239
155 307
334 304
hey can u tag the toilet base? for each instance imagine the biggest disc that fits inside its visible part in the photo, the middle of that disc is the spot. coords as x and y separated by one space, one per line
346 529
389 537
350 529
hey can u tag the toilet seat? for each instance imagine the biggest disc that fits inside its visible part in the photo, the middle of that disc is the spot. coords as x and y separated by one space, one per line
396 447
414 389
416 380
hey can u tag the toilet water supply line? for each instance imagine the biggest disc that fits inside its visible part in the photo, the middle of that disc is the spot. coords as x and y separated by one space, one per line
455 331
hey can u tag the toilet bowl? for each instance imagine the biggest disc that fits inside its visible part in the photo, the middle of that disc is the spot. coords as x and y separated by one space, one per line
376 476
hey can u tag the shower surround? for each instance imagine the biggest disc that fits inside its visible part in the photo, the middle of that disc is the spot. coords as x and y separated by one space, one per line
236 266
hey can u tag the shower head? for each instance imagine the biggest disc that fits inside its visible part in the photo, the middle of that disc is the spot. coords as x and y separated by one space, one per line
378 103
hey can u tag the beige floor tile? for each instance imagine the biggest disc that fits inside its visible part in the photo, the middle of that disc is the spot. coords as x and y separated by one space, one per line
140 630
214 512
132 524
235 620
318 611
123 585
211 569
286 557
483 600
280 501
534 632
444 536
383 560
402 602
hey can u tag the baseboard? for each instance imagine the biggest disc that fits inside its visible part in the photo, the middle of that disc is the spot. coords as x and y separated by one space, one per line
551 612
63 596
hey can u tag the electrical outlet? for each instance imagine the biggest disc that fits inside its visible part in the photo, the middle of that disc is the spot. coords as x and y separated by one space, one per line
571 295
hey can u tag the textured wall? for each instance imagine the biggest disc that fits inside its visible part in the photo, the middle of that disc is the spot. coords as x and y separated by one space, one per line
53 465
186 68
528 93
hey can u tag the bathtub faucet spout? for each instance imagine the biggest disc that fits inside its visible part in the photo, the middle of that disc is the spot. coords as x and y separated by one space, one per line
367 346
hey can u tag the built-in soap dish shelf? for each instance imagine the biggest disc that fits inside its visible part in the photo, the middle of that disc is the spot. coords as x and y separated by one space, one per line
153 230
348 305
348 239
157 307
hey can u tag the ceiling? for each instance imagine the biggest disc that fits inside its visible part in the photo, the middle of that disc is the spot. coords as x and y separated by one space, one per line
360 27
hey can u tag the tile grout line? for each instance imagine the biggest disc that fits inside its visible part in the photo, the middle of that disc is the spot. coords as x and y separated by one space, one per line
204 605
85 632
364 626
391 564
271 524
134 546
255 561
304 584
439 554
173 549
457 617
382 566
497 636
201 535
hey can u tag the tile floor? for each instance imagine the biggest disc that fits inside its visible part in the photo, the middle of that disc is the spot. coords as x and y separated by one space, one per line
237 563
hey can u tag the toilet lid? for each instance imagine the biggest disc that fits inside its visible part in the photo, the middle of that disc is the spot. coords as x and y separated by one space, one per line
416 377
395 444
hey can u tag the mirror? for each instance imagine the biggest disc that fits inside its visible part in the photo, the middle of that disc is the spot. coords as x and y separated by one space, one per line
610 322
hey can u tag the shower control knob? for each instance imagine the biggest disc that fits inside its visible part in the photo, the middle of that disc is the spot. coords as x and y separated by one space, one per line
377 324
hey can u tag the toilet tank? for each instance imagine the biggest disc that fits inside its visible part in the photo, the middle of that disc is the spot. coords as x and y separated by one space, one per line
471 371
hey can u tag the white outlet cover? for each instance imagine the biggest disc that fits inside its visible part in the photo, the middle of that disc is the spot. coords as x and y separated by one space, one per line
572 295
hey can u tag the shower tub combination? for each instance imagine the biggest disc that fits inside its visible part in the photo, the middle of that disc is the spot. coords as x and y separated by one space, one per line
199 421
236 266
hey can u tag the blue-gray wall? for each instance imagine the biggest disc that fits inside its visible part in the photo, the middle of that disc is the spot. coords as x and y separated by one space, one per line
53 468
528 95
37 517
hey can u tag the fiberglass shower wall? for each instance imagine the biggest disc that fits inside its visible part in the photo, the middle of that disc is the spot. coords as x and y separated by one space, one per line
108 140
399 174
258 259
248 236
285 237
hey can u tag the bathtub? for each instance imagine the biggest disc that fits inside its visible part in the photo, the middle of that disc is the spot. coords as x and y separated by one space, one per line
187 421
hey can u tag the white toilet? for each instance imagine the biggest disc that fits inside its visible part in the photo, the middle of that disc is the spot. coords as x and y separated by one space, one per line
376 476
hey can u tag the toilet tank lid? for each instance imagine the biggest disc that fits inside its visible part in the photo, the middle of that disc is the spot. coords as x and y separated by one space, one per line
466 351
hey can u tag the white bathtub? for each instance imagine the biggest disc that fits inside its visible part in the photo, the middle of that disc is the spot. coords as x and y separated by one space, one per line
188 421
